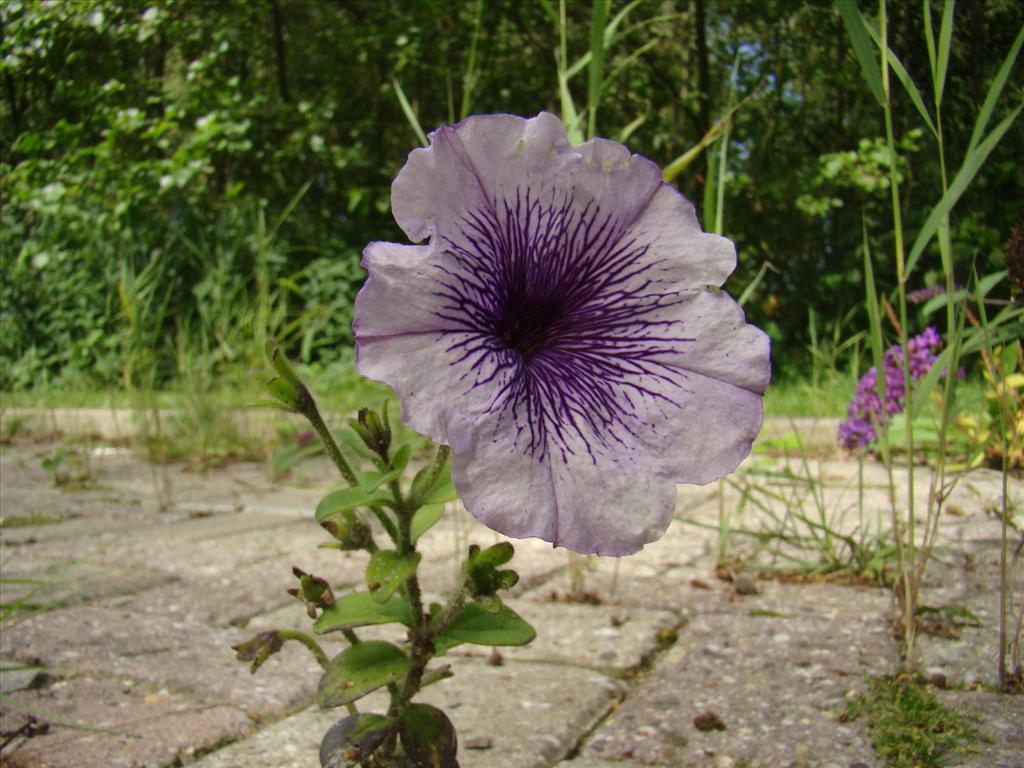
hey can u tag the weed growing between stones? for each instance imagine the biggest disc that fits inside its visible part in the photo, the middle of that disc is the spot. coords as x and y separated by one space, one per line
909 727
908 375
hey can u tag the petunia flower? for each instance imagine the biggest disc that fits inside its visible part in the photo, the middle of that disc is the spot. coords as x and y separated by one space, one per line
559 333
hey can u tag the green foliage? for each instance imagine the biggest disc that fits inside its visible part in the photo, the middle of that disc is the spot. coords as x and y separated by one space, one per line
150 150
388 570
360 609
474 624
908 726
361 669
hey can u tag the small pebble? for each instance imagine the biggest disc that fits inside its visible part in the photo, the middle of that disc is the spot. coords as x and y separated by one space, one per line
478 742
708 721
744 584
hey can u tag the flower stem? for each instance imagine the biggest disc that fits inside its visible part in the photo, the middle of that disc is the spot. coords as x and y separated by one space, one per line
306 640
312 414
430 479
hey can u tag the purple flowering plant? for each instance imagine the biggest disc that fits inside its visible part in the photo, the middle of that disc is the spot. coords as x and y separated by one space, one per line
561 337
867 412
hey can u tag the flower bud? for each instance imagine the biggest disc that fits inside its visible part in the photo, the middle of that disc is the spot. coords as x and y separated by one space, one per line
374 429
481 569
259 649
286 388
348 529
313 591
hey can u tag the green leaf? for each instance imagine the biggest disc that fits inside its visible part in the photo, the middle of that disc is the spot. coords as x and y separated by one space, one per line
410 115
499 554
491 604
359 670
475 625
443 492
360 609
856 28
595 74
569 116
336 502
428 737
929 39
874 314
400 459
388 571
994 91
424 519
371 481
365 732
904 77
945 38
972 164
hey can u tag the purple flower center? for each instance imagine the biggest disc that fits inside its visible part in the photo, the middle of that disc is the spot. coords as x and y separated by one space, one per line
528 325
561 309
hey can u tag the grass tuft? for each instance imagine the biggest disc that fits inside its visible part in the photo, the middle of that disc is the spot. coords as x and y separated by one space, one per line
908 726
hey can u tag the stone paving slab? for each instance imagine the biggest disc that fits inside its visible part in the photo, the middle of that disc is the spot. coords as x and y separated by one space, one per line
1001 722
538 719
771 679
612 641
161 653
105 724
51 585
168 591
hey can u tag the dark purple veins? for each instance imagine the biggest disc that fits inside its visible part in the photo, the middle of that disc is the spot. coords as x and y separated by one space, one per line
562 314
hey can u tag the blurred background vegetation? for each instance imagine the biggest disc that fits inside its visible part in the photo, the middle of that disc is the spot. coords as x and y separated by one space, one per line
180 177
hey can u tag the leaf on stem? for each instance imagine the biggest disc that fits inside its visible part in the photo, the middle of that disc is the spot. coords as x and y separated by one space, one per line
972 164
337 502
360 609
424 519
387 571
363 732
428 737
400 459
359 670
856 28
371 481
473 624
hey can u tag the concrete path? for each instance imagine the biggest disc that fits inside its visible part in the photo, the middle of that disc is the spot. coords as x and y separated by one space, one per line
133 605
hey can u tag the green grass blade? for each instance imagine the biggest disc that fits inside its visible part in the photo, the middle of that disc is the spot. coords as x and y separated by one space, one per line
623 63
684 161
874 315
569 116
609 40
596 72
409 114
945 39
296 199
628 131
856 28
469 78
609 31
904 77
929 39
723 155
752 286
994 91
947 360
972 164
549 9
